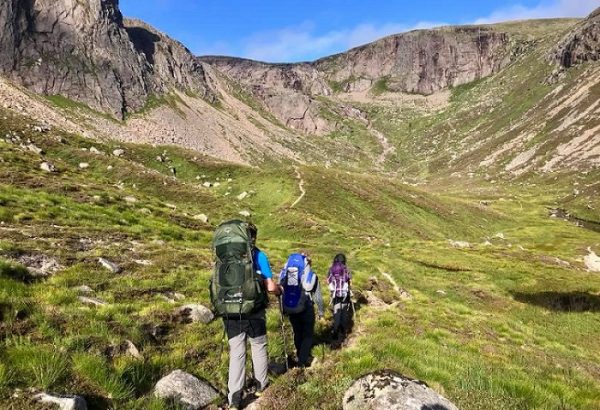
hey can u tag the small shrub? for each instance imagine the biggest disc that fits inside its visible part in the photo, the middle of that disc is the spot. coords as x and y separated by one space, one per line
14 271
39 366
97 372
6 377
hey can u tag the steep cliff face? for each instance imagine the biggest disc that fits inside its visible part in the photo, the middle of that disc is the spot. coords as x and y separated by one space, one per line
82 50
169 63
580 45
286 90
421 62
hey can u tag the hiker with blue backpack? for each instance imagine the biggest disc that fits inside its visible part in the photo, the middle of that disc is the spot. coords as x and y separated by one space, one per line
338 281
301 291
239 285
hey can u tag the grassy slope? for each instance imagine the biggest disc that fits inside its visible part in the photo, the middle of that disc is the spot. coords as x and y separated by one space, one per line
503 334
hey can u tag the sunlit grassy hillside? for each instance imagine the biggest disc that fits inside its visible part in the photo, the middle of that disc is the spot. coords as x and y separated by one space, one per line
509 322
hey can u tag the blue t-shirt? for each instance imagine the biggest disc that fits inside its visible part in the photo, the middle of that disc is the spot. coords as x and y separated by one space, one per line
261 264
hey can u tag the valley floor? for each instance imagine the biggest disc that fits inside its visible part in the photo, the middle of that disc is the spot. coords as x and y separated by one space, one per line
469 285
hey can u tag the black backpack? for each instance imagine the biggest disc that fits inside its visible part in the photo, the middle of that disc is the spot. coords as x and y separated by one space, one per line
235 288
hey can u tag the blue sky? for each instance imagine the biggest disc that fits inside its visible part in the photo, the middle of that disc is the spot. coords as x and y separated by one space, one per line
300 30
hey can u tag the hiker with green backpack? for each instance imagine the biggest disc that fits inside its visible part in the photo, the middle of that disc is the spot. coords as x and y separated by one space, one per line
238 288
301 291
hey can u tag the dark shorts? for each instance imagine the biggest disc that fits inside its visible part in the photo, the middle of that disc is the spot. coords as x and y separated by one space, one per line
254 325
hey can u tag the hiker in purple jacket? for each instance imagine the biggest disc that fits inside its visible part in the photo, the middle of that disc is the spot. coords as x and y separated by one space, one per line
338 281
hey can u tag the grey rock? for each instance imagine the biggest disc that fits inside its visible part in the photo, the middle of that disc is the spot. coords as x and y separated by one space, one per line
201 217
40 265
196 313
186 389
85 289
592 261
242 196
385 390
92 301
63 402
459 244
48 167
580 45
245 213
132 350
87 52
118 152
84 165
35 149
111 266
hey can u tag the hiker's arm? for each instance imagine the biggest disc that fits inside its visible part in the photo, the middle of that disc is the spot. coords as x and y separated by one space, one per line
272 287
265 269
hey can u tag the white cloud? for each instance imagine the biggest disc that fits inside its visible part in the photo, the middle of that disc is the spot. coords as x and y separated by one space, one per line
545 9
301 42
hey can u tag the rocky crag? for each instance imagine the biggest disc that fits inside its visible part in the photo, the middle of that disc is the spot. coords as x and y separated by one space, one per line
84 51
459 99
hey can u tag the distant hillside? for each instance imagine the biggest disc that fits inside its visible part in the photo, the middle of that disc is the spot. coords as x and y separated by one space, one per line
512 98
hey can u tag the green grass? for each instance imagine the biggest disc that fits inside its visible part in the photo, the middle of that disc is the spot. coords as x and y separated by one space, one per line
512 329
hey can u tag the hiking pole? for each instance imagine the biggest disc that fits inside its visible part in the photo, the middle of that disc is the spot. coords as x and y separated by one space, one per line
285 355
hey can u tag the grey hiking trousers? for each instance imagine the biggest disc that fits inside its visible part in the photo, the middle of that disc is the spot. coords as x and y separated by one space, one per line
238 334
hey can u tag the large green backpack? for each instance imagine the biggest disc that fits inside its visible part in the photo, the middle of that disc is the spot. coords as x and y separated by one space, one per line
235 288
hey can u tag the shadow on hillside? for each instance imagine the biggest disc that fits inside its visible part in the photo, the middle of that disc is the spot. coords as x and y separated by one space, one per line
561 301
434 407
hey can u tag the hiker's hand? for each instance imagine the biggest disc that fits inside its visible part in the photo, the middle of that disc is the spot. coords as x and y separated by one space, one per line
272 287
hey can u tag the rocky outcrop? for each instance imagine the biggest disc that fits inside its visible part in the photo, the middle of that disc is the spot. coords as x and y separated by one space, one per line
386 390
581 45
62 402
83 50
421 62
285 90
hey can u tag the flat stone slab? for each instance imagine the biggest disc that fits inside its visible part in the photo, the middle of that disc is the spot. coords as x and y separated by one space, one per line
386 390
63 402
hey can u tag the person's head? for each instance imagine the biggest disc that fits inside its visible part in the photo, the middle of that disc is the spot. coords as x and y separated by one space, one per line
306 254
340 257
253 231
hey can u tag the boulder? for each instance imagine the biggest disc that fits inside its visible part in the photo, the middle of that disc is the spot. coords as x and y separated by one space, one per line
245 213
92 301
118 152
386 390
201 217
48 167
85 289
40 265
132 350
459 244
84 165
242 195
185 389
111 266
195 313
35 149
592 261
63 402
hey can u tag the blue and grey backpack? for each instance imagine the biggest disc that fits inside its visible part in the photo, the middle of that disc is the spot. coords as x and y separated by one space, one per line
298 280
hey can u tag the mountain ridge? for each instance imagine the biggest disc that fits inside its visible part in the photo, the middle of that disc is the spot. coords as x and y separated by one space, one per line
248 111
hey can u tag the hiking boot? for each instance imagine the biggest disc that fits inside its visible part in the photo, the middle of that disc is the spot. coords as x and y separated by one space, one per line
236 401
259 392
